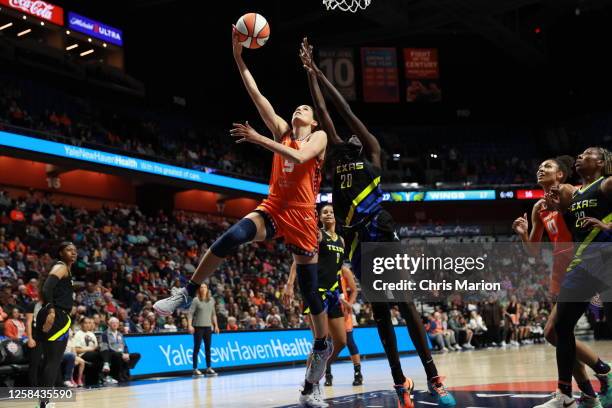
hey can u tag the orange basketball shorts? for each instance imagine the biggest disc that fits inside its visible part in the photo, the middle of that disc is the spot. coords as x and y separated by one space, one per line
295 222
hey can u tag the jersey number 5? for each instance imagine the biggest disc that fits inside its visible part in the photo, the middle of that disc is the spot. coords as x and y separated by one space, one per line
346 180
288 166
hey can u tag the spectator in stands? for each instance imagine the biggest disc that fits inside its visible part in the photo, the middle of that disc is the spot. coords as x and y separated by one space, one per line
274 324
232 325
492 315
464 334
6 272
512 312
34 346
274 314
434 332
32 289
448 333
68 364
476 324
86 346
169 325
146 327
14 328
117 359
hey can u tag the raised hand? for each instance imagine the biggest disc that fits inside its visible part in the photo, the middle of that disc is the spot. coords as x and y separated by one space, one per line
521 225
306 56
245 133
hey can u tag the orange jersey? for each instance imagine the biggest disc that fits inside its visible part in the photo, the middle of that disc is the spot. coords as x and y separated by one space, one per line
563 252
293 184
557 231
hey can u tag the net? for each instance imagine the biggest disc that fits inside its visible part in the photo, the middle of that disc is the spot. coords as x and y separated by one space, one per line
347 5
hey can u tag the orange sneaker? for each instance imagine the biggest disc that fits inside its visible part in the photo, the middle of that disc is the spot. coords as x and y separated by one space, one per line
404 394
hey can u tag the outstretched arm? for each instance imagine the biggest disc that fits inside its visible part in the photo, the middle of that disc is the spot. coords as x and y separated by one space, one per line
277 125
369 141
317 96
313 147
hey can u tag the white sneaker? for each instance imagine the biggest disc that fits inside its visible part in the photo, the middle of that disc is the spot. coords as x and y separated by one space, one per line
69 384
559 400
468 346
108 380
514 343
316 392
311 401
316 369
503 344
105 368
178 298
444 350
458 347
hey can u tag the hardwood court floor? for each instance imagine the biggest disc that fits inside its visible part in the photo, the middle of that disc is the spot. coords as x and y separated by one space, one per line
482 373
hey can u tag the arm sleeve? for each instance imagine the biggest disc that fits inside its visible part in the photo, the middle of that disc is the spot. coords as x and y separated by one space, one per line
48 288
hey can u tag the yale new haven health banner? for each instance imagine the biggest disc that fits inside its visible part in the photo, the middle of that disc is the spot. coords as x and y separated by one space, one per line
422 75
380 79
167 353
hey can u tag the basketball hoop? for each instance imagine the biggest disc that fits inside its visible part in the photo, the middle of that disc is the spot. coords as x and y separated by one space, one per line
347 5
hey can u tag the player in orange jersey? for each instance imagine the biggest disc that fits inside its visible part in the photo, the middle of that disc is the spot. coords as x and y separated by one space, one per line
288 212
551 174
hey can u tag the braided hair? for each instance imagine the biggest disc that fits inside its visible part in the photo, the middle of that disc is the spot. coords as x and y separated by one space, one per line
606 156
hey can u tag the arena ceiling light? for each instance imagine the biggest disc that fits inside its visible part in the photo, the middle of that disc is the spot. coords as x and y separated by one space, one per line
7 25
72 47
24 32
84 53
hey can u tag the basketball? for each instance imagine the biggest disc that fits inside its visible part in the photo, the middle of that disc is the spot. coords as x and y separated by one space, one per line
253 30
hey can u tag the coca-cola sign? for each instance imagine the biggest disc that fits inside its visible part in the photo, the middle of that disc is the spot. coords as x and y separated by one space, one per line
39 9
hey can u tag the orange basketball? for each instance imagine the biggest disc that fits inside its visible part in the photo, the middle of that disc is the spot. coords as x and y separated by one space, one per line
253 30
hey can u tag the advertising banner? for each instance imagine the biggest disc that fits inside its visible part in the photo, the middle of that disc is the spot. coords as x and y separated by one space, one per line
169 353
39 9
95 29
126 162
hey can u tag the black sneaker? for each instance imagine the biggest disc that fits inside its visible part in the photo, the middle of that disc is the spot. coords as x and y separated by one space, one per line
358 380
328 379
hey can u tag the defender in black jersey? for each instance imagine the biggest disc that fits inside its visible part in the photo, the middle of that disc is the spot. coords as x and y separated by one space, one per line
357 198
330 268
53 320
588 212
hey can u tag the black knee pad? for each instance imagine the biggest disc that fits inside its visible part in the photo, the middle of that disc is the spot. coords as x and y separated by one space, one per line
350 342
309 287
240 233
